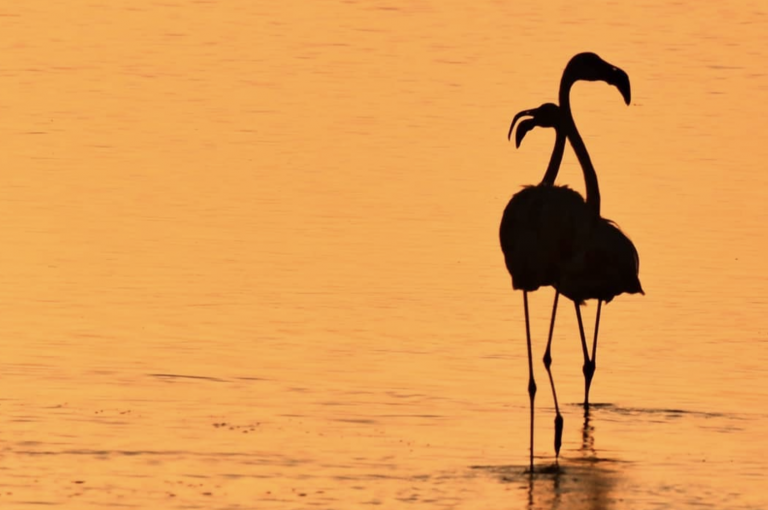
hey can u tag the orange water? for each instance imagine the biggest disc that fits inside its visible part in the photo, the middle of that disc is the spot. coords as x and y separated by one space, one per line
250 260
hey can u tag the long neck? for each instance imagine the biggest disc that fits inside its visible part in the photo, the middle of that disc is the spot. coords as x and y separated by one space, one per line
590 177
556 158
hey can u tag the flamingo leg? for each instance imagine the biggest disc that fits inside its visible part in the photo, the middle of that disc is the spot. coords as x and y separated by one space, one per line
592 364
548 364
588 368
531 382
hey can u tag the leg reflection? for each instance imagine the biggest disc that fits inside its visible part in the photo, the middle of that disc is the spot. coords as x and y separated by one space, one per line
547 495
587 437
582 482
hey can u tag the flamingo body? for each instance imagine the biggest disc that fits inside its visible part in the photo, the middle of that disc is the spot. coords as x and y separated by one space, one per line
540 229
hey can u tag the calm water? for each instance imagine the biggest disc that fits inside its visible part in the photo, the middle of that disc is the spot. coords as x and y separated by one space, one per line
250 259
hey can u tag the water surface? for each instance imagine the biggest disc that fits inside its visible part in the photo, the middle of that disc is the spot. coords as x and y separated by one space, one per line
250 256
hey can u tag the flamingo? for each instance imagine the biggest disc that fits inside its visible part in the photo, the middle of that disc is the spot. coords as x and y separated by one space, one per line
545 229
606 266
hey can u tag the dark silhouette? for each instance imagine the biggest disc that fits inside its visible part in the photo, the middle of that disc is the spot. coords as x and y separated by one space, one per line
606 266
551 236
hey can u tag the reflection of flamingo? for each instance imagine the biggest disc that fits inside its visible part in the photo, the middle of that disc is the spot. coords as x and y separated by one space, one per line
544 226
606 266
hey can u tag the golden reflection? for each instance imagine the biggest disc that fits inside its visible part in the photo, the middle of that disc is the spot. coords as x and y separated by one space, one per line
296 208
580 483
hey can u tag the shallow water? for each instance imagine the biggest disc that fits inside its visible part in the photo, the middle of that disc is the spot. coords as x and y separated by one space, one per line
250 256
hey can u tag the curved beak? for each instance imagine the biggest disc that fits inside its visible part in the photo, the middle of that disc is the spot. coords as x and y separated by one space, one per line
525 126
524 113
620 80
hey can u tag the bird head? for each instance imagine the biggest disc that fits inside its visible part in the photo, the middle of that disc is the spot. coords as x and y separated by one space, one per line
590 67
546 115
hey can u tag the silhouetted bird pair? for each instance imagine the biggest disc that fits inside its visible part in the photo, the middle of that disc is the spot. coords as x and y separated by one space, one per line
550 235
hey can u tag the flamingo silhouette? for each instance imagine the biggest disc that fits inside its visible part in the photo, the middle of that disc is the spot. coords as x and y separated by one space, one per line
550 235
606 266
